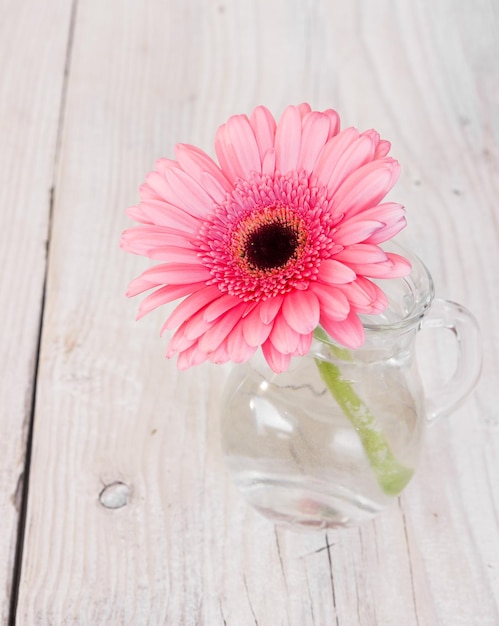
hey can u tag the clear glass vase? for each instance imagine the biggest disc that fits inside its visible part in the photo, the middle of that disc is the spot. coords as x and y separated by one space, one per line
333 440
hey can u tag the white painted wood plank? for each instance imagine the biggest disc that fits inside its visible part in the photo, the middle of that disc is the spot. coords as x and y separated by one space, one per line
32 56
184 549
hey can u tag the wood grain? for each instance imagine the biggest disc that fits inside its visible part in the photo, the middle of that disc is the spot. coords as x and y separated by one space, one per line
131 517
32 52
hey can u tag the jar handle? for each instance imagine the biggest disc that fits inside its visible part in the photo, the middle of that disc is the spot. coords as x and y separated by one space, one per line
462 323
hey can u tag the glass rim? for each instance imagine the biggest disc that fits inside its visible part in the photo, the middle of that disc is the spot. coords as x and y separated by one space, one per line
419 272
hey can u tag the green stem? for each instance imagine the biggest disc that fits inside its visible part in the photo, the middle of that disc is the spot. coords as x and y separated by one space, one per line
391 475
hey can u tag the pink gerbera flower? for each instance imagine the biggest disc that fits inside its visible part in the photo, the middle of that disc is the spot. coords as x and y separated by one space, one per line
279 238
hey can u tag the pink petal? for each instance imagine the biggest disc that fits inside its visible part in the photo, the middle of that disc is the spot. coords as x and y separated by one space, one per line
283 337
333 272
332 300
357 154
220 355
158 184
361 253
270 308
349 332
164 295
269 161
395 267
175 274
365 187
213 187
137 214
303 109
190 357
187 194
334 122
387 232
264 127
195 327
301 310
237 149
237 347
191 305
145 239
314 137
163 214
365 296
277 361
220 329
162 165
331 153
390 217
304 344
349 233
220 306
200 166
178 343
255 331
382 149
288 140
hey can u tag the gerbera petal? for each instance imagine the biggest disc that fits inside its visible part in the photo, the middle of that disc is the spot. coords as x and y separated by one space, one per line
349 233
361 253
220 329
268 163
331 153
190 357
255 331
301 310
304 344
175 274
220 355
365 187
334 272
238 348
161 213
334 122
137 214
357 154
277 361
264 126
283 337
314 137
220 306
303 109
186 193
164 295
178 343
365 296
288 140
145 239
192 304
199 165
332 300
387 232
348 332
237 149
268 309
394 267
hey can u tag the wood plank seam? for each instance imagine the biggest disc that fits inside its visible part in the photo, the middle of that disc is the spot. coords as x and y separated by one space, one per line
23 487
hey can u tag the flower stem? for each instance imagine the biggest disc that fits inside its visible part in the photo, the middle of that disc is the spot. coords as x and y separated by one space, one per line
391 475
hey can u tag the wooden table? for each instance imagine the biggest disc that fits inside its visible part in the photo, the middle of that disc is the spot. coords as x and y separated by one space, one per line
115 507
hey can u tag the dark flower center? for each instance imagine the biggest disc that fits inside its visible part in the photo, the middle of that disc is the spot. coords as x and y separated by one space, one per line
271 245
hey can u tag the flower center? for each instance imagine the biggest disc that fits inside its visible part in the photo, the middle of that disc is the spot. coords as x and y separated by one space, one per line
268 237
271 245
266 240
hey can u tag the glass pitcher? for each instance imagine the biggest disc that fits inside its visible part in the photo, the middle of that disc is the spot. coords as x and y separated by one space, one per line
333 440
